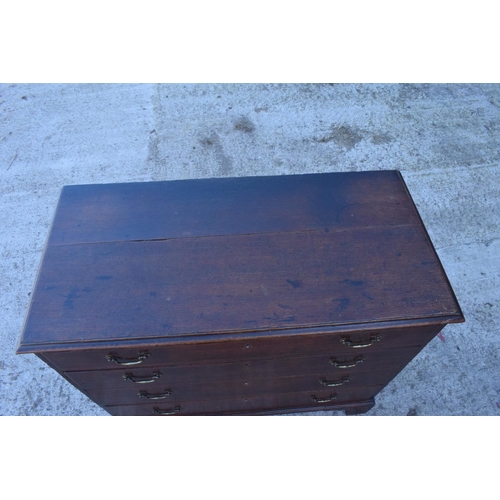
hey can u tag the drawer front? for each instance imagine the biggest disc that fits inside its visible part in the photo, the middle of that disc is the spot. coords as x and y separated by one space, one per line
241 350
233 380
341 384
177 376
312 400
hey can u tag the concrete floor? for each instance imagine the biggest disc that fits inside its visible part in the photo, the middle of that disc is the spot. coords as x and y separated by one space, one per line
443 138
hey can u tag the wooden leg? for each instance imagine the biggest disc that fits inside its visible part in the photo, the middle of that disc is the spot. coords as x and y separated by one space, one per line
360 408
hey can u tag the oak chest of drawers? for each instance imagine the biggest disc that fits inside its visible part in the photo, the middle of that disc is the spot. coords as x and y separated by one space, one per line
237 296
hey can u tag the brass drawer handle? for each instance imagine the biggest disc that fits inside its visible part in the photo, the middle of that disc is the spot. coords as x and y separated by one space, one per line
142 380
347 364
360 343
331 383
144 394
327 400
157 411
128 361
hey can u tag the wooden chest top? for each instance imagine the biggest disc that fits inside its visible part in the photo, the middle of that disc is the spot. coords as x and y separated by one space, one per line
198 260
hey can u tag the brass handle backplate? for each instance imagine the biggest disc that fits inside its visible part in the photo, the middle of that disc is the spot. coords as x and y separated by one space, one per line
332 397
142 380
360 343
347 364
335 383
128 361
144 394
163 395
157 411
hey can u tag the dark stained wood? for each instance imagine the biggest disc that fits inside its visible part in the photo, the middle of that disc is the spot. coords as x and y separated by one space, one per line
235 283
242 370
243 405
231 389
264 348
208 207
240 291
223 382
359 408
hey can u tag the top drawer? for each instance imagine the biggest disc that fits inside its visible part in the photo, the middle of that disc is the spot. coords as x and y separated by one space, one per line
237 350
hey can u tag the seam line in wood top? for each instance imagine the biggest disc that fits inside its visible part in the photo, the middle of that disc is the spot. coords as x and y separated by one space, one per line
256 233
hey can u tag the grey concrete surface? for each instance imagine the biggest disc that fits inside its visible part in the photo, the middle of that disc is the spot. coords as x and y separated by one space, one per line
443 138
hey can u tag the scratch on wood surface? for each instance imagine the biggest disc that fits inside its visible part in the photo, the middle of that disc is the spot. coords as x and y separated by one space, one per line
12 161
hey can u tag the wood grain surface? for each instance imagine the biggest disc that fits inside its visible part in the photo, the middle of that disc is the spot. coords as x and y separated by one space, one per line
207 207
169 259
275 349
